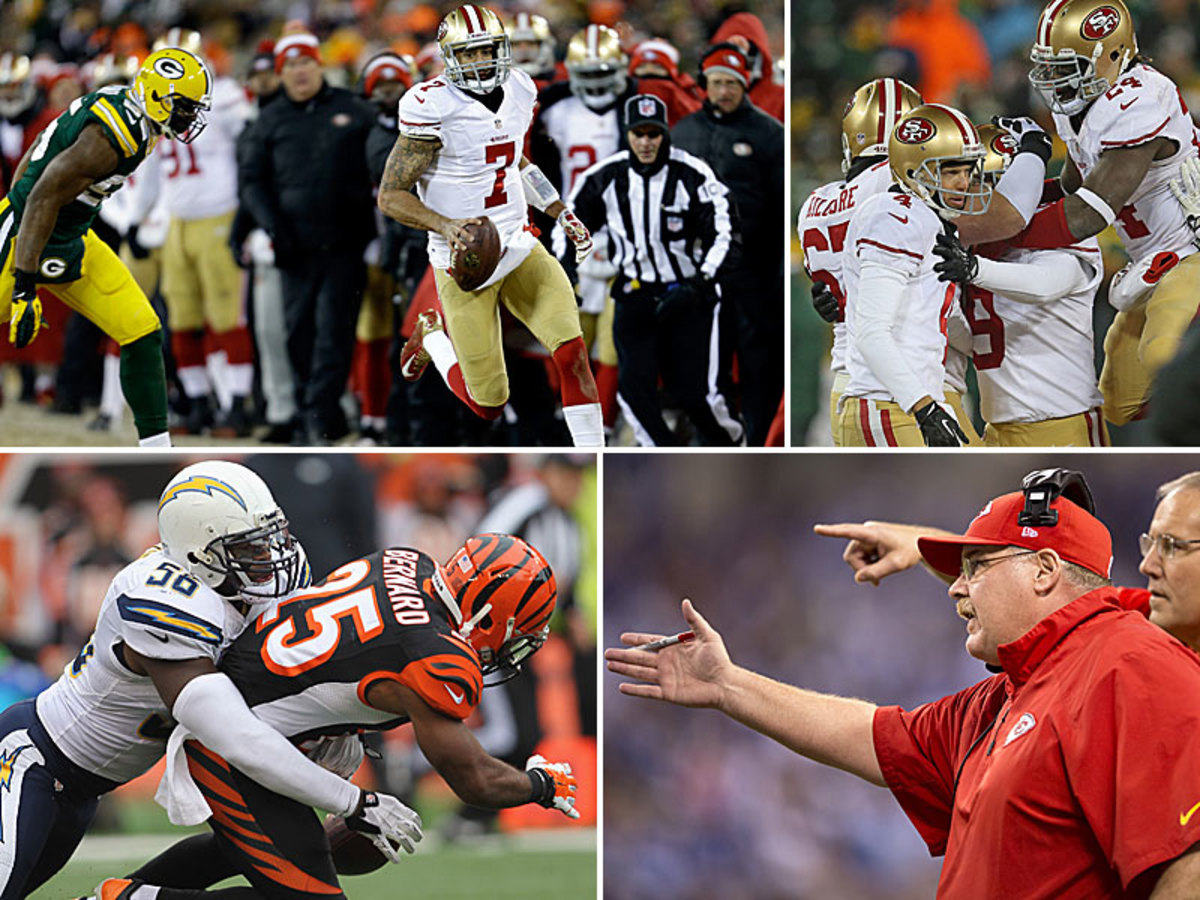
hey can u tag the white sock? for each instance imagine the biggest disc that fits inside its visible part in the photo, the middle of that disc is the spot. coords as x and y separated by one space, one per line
112 400
194 380
162 439
218 374
586 424
441 351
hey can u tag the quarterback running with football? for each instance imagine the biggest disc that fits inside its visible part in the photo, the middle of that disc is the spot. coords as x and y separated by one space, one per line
1128 134
388 639
460 145
226 554
80 159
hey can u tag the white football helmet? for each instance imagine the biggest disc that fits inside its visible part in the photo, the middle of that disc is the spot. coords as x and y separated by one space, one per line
219 519
596 66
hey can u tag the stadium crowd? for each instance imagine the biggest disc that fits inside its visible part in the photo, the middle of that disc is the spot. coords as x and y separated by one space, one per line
975 57
286 298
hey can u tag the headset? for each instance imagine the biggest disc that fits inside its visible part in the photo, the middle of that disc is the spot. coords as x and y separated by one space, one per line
1043 486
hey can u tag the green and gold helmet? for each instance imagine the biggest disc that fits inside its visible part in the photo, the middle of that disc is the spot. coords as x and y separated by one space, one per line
174 88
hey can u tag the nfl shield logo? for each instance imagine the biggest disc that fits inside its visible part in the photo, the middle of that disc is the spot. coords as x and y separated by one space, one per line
674 223
646 107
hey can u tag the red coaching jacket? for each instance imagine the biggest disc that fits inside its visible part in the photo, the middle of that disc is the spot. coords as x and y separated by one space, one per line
1067 776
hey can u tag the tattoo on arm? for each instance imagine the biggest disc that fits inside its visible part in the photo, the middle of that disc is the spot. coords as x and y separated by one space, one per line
409 158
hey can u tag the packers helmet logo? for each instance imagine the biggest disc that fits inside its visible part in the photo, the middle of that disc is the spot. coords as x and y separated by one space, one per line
1100 24
169 68
1004 144
915 131
53 267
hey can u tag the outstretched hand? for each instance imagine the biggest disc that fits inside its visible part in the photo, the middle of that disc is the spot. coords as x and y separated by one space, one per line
691 674
877 549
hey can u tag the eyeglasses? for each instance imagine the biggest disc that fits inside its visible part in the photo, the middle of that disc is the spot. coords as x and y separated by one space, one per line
973 566
1167 545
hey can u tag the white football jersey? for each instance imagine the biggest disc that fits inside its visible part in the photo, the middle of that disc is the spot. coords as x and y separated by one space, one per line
897 230
477 170
822 226
1035 361
104 717
200 178
1142 105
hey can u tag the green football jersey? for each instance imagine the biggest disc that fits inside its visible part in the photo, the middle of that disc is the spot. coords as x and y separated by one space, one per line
122 122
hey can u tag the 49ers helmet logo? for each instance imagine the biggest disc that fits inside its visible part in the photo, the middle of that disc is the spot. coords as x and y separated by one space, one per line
1100 24
169 68
915 131
1004 144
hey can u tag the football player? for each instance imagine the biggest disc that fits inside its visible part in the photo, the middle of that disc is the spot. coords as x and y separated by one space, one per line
45 221
460 143
389 639
533 48
1030 312
1127 131
226 552
19 106
897 312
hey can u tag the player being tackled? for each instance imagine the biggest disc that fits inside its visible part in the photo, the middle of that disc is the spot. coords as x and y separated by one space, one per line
460 142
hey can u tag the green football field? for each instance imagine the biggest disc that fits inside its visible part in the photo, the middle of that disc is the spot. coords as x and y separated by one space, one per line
528 866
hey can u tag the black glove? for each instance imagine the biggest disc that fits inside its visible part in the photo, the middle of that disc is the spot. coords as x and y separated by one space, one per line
136 250
1030 136
938 427
826 304
237 248
958 262
26 316
694 292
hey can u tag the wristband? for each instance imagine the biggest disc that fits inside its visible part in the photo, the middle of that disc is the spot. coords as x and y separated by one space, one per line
539 192
541 787
24 282
1096 202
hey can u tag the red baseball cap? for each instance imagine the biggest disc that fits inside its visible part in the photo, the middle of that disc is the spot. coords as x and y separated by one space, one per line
1079 537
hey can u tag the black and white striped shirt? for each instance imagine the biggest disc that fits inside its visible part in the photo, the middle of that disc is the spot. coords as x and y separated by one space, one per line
662 227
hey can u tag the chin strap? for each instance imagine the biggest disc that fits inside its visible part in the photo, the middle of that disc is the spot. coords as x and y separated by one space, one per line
443 591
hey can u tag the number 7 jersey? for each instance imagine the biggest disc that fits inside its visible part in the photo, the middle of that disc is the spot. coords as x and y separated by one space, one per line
306 666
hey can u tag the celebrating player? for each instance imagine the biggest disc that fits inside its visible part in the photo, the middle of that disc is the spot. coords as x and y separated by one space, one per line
226 552
460 143
390 638
81 158
1127 132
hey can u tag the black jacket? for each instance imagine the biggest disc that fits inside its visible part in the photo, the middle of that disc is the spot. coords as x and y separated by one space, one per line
745 150
304 177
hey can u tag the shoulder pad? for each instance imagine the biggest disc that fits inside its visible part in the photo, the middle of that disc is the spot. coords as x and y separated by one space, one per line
450 679
108 110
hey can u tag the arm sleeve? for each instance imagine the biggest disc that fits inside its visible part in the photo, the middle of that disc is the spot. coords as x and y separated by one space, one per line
211 708
879 290
1048 276
1022 184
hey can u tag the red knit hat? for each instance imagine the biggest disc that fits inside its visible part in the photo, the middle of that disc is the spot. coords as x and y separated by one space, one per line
1079 537
291 46
387 67
726 60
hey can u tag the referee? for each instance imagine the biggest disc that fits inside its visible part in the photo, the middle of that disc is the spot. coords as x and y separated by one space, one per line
670 232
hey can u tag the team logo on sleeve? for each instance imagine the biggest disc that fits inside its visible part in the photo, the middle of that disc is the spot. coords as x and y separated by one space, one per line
1100 24
167 618
915 131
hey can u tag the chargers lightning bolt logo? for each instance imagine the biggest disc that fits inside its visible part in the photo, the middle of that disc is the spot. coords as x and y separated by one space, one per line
203 484
7 761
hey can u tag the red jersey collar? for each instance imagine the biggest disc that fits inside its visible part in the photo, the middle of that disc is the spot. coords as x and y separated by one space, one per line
1020 658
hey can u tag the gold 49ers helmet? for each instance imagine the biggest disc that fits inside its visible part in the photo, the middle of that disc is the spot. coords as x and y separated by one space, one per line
596 66
870 115
1082 47
999 148
174 88
532 44
929 137
183 38
468 28
17 90
501 592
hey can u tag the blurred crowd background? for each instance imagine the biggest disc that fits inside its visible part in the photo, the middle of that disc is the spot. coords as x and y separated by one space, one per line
698 806
971 54
69 523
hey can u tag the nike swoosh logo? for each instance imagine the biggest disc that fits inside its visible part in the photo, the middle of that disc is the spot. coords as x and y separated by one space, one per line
902 220
157 636
458 698
419 99
1184 818
1129 104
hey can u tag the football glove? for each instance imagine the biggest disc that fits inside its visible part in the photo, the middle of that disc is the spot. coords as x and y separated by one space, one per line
1186 189
576 233
553 785
1029 135
825 303
958 262
938 427
26 314
385 819
341 755
136 249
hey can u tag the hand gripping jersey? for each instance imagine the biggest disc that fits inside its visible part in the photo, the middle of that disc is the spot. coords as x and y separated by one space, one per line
822 226
106 719
305 667
896 230
1141 106
200 178
122 123
477 170
1035 361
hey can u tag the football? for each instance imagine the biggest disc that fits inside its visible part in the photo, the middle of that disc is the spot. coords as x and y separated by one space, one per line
471 267
353 852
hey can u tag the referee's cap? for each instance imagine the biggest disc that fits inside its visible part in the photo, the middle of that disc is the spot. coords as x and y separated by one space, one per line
645 109
1078 537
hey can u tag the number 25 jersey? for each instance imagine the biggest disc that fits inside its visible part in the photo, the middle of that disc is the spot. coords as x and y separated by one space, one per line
306 666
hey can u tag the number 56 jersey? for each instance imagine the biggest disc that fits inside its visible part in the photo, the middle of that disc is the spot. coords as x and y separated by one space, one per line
107 719
306 666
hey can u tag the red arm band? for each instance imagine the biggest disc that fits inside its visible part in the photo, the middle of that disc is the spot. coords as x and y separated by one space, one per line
1047 229
1051 190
